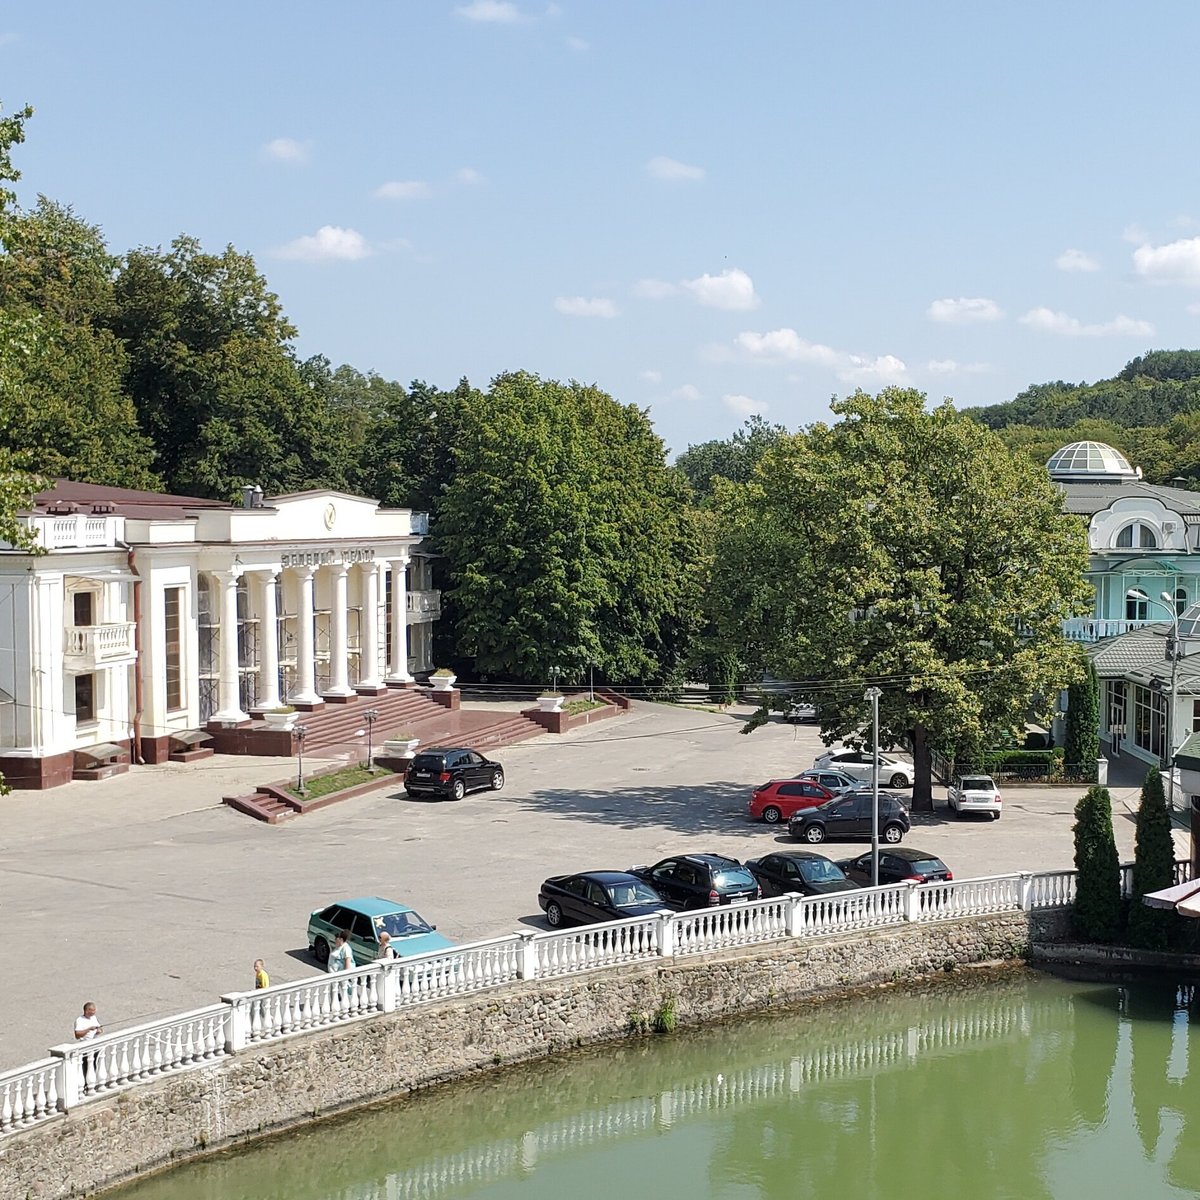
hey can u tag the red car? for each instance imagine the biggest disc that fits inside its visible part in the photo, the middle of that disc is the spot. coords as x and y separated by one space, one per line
777 800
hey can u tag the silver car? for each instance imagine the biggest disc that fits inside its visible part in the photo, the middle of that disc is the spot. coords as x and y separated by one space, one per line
838 782
893 772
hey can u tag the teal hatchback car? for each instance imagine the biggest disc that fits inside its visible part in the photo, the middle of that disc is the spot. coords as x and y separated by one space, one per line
364 920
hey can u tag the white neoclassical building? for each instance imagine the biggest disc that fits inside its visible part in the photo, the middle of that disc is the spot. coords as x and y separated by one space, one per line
150 623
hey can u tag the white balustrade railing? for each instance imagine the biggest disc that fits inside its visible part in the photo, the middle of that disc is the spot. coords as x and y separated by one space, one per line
84 1070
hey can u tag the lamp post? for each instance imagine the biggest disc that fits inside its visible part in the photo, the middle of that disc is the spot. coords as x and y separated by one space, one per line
554 674
300 731
371 716
873 694
1167 601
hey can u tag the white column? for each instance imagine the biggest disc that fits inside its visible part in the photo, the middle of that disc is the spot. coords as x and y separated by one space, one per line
230 709
368 634
305 666
399 672
337 634
268 641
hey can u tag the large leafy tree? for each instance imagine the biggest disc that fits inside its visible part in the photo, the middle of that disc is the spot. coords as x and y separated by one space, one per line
908 549
735 458
567 535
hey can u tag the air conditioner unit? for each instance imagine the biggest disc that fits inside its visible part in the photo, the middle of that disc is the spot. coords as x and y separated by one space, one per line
1168 527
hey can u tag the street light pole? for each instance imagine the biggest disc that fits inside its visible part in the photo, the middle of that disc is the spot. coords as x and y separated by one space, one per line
300 731
1167 601
873 694
371 716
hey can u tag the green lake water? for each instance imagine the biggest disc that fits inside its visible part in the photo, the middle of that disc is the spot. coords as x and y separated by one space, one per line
1017 1086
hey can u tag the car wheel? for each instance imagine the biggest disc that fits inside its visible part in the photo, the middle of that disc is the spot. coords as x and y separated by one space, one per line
814 834
892 834
995 816
772 815
321 950
497 780
459 790
898 781
554 915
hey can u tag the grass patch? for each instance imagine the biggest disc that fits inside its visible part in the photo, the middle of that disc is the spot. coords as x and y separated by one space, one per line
335 781
574 707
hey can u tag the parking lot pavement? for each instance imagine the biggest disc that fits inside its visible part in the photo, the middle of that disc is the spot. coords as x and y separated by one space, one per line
149 897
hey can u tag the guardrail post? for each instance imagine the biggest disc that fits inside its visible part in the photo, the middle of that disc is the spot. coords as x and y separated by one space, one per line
1026 891
69 1076
238 1028
527 964
389 985
912 903
666 933
795 908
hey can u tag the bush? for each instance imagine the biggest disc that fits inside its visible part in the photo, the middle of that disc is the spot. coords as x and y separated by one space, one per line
1097 909
1153 866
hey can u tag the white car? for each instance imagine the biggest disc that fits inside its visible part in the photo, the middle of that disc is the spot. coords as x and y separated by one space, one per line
893 772
975 793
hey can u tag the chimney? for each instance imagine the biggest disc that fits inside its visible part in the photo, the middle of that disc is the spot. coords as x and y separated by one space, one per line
247 497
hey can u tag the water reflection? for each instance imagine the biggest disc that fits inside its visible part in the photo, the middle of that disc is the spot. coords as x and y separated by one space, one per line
978 1087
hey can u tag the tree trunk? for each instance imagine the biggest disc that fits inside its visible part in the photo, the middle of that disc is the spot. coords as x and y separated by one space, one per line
922 797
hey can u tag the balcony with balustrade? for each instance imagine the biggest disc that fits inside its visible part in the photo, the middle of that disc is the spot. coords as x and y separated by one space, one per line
92 647
1092 629
424 606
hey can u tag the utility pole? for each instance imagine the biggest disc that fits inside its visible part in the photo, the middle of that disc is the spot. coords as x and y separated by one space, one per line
873 694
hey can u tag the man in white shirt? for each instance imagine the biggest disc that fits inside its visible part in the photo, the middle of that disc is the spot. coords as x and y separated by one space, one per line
86 1028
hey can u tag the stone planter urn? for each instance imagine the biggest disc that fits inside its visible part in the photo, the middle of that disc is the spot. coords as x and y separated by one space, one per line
280 719
443 683
551 703
400 747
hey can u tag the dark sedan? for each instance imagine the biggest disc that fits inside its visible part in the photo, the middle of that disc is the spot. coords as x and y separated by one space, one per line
897 864
699 880
451 772
850 817
798 871
597 896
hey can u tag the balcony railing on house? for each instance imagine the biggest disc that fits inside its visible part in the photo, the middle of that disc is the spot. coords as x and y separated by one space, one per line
79 1072
424 606
74 530
89 647
1092 629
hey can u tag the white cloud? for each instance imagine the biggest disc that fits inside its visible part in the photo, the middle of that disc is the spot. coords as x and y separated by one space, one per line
1175 262
964 310
941 366
331 243
403 189
743 406
733 289
1135 235
495 12
654 289
784 345
468 177
577 44
688 391
672 170
287 150
1076 260
1046 320
651 376
581 306
878 372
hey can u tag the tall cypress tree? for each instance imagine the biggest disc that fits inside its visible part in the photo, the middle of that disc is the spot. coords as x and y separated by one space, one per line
1083 723
1097 911
1153 866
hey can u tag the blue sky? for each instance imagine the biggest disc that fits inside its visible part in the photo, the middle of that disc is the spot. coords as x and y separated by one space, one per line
709 209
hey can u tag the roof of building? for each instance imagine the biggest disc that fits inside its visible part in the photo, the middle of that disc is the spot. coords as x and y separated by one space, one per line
1115 657
1091 462
125 502
1089 498
1186 670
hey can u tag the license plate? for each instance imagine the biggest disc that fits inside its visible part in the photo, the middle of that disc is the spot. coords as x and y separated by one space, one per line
739 899
420 774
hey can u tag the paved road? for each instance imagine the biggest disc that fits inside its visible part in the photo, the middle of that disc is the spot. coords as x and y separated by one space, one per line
147 895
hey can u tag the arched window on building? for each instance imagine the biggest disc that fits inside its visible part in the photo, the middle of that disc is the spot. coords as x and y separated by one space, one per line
1137 536
1181 601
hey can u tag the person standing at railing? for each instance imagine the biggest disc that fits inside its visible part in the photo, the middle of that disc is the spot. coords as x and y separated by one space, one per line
261 978
341 957
88 1027
386 950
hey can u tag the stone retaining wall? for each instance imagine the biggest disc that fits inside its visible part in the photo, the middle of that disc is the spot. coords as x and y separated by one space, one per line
286 1083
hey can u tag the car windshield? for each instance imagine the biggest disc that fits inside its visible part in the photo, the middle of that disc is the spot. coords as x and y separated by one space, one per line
401 924
427 762
736 878
632 894
978 783
927 866
820 871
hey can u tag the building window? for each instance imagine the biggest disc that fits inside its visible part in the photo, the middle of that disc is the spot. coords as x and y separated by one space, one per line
83 608
1136 610
1137 536
173 661
1196 716
85 698
1149 721
1181 601
1116 708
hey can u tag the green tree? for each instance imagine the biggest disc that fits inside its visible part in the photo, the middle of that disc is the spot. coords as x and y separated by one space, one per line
567 535
735 458
1097 909
1083 721
1153 866
910 549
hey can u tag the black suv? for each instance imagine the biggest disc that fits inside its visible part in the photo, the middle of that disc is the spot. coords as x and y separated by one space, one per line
699 880
850 817
452 772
